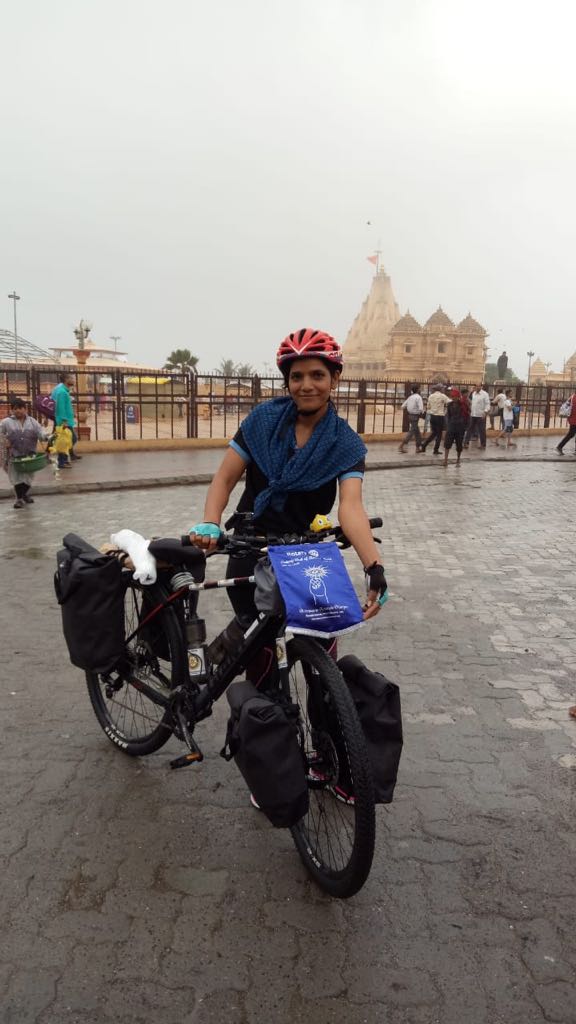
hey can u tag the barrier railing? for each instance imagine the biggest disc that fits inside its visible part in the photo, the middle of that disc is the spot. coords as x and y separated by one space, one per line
121 404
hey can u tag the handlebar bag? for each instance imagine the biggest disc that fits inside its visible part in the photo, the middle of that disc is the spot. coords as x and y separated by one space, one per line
316 588
377 702
90 591
265 740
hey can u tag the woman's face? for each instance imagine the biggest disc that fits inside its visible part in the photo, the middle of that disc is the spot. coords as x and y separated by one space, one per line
310 384
20 414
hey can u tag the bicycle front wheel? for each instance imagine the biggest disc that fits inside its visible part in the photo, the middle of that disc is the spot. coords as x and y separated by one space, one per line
155 656
336 838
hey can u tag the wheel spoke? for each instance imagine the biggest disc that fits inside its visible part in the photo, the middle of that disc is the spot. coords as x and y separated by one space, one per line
335 839
328 830
131 714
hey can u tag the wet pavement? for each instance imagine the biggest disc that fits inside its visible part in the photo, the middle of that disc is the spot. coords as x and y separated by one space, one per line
129 470
132 894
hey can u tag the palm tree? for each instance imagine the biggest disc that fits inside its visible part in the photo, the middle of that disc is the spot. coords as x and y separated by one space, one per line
181 359
227 368
245 370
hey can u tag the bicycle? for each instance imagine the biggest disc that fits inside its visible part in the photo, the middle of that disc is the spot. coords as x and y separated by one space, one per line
165 684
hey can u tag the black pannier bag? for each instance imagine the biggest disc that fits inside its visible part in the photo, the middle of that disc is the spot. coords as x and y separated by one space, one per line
264 738
90 591
377 702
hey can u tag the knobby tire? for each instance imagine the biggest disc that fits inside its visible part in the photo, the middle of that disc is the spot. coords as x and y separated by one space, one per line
334 840
129 718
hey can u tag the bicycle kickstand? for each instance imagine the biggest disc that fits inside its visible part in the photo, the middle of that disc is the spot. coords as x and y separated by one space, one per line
195 755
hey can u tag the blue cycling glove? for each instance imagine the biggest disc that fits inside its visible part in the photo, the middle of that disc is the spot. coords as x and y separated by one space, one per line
206 530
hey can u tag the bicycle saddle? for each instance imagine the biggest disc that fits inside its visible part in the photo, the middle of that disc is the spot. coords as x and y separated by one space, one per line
171 550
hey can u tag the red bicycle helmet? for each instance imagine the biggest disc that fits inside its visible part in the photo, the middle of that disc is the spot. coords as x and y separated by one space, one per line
308 343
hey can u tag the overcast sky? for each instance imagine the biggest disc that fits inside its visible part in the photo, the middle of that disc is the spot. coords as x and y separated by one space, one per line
201 175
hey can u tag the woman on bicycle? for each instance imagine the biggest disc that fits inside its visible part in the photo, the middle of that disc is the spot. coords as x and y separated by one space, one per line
295 453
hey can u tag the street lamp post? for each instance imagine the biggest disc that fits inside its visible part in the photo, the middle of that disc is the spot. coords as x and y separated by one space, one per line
115 338
15 299
530 358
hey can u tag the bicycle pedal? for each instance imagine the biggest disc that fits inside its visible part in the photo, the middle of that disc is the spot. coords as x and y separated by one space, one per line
194 757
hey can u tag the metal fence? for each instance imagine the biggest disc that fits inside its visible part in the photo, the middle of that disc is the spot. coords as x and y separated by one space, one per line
121 404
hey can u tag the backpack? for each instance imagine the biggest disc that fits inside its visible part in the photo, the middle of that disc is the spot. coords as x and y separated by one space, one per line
565 408
377 702
90 590
264 738
46 406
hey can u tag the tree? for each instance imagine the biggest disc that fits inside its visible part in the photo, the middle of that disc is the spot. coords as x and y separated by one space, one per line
181 359
245 370
491 374
227 368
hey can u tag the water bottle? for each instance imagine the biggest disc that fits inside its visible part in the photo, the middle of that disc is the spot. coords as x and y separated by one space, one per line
196 645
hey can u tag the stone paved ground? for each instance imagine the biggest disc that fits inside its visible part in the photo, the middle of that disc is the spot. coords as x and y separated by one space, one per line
132 895
115 470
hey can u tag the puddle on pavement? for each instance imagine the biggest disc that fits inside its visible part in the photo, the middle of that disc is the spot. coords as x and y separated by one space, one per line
33 553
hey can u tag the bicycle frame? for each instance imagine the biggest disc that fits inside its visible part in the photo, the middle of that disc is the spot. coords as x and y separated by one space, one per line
202 697
197 698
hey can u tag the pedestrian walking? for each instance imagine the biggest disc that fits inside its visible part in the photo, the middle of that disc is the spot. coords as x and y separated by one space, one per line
571 425
499 403
479 406
414 406
437 404
63 409
507 421
19 436
457 417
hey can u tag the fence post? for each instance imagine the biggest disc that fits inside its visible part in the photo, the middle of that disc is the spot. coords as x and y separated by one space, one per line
405 417
361 417
118 388
193 406
256 390
34 386
548 404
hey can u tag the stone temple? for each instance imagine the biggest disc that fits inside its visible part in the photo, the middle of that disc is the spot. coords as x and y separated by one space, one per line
381 343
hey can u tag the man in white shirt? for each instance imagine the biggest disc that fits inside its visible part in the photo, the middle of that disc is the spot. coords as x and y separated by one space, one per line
479 406
500 402
414 406
436 406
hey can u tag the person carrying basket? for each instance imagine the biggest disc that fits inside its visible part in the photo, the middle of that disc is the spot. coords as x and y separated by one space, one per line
19 436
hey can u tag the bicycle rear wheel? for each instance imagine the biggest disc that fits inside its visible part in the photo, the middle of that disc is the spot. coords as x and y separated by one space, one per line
336 838
155 656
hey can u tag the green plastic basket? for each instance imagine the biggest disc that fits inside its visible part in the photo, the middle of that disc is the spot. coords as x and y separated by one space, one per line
30 463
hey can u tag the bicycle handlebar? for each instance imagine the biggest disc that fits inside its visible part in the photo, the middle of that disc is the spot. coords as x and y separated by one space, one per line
252 542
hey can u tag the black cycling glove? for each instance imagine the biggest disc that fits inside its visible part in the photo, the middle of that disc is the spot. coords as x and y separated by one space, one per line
376 580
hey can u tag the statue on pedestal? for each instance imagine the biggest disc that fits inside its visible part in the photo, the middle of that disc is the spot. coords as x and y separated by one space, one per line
502 366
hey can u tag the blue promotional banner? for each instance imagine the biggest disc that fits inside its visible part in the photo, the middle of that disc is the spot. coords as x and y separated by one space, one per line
318 593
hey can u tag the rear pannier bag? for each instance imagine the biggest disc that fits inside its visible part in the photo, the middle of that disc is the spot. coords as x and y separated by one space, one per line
90 590
377 702
264 738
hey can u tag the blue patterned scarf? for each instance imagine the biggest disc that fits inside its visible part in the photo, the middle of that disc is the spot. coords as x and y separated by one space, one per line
332 449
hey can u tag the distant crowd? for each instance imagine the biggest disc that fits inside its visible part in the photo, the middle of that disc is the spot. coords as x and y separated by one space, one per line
457 416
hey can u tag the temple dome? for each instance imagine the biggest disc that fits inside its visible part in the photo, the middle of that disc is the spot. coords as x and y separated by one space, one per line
439 319
471 326
406 325
572 360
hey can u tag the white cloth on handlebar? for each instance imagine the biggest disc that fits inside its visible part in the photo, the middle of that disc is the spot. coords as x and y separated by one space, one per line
137 547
